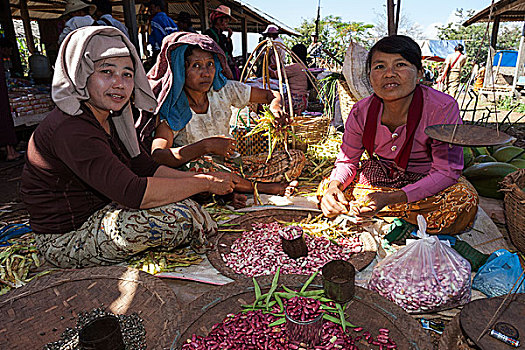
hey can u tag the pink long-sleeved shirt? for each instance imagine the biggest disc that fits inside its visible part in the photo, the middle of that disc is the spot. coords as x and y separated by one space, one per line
441 162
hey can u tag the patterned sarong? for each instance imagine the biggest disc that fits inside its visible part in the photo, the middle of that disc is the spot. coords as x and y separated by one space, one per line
113 234
450 211
281 167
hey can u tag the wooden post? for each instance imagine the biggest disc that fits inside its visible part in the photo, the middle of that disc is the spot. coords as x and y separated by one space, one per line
398 15
130 19
203 4
24 13
495 30
9 29
244 28
390 17
519 63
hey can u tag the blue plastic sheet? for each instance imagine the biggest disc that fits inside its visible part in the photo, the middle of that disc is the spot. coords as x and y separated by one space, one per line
12 231
499 274
509 58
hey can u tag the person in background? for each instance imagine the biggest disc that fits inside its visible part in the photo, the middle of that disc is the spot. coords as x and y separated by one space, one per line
315 50
93 193
161 25
78 14
451 76
184 22
104 17
479 77
220 19
272 32
297 80
406 173
7 128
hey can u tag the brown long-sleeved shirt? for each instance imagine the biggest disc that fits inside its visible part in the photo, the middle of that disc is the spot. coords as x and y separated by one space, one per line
74 168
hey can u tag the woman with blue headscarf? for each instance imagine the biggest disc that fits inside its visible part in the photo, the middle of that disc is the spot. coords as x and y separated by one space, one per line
190 80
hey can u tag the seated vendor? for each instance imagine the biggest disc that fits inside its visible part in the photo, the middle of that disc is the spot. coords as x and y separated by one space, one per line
406 173
94 195
195 101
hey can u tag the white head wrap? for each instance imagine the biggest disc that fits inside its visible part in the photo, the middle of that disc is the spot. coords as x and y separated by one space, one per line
75 63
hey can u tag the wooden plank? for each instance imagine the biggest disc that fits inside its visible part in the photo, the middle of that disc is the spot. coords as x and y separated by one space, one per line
495 29
244 26
27 26
203 4
7 25
130 19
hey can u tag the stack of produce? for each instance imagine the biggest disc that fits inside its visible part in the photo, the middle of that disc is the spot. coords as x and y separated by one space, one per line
259 252
485 167
261 325
28 100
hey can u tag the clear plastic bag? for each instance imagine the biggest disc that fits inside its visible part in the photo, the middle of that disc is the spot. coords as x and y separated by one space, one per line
499 274
424 276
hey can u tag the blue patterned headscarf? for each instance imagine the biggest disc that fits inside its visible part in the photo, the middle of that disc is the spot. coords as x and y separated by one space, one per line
176 109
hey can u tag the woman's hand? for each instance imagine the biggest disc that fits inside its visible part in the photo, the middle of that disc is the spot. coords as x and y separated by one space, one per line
274 100
220 183
281 118
334 202
220 145
373 202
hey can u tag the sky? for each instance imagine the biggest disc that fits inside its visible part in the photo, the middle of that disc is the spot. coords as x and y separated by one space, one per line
425 13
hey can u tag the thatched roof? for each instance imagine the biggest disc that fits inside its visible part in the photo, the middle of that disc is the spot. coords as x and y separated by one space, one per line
507 10
256 19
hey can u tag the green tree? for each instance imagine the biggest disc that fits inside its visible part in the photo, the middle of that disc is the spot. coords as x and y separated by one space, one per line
334 33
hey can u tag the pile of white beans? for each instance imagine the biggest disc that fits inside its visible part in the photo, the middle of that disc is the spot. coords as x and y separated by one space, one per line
423 277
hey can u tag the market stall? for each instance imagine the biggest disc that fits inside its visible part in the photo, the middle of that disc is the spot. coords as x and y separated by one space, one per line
30 103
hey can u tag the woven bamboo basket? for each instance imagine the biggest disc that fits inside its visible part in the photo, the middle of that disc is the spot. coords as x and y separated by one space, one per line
311 129
513 185
346 99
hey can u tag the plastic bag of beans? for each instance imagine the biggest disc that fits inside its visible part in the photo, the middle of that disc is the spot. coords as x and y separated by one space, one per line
424 276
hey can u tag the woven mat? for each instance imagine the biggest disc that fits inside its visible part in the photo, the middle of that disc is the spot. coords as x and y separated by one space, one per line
39 312
484 235
224 241
367 309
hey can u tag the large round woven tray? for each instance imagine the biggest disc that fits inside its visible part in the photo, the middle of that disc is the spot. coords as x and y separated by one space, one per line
475 316
467 135
39 312
367 309
453 337
513 185
224 241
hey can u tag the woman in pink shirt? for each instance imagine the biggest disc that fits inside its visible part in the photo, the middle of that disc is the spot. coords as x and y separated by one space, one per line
406 173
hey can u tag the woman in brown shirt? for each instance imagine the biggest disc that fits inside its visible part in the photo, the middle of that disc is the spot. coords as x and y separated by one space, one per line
94 196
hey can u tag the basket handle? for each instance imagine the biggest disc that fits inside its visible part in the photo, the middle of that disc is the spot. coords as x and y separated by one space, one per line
250 119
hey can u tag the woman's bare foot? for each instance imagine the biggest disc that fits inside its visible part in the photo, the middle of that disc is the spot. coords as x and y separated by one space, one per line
12 154
239 200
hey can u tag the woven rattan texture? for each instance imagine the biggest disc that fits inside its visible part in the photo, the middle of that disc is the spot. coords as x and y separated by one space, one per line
311 130
346 99
39 312
513 185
